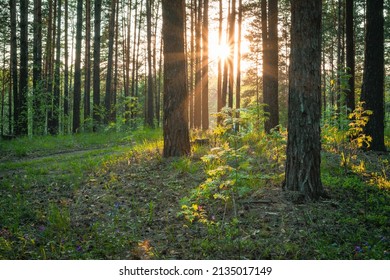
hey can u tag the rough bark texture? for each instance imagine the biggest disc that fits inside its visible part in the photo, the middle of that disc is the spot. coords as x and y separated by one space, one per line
175 125
373 75
304 112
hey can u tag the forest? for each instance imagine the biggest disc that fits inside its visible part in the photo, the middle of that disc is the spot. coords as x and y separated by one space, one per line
195 129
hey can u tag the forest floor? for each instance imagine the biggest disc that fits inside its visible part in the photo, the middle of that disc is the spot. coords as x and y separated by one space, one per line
113 196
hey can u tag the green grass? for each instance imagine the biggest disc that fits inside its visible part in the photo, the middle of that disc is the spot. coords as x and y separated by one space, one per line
39 178
115 197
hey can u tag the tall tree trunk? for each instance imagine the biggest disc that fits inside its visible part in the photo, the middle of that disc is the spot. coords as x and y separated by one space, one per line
149 98
127 71
14 62
22 121
48 69
232 24
87 61
350 55
192 63
304 107
155 86
238 74
340 55
134 71
109 88
158 97
270 62
219 78
137 62
115 82
198 66
38 118
176 132
96 64
373 75
77 69
271 82
66 70
54 121
3 82
205 68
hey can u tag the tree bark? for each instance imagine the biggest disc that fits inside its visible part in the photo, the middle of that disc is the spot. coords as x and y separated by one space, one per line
22 121
238 74
350 55
77 70
54 121
66 70
96 65
304 111
149 99
38 118
373 75
14 62
232 24
109 88
270 62
205 62
219 78
175 125
87 61
198 66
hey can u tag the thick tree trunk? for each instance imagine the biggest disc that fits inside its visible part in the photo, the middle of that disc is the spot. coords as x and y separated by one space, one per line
175 125
373 75
304 111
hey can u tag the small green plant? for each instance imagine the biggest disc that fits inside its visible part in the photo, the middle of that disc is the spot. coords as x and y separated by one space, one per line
348 142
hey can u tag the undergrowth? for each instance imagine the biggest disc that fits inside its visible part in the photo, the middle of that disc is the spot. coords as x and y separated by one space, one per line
117 198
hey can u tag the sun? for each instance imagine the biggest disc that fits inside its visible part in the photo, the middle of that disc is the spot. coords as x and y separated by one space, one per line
220 51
